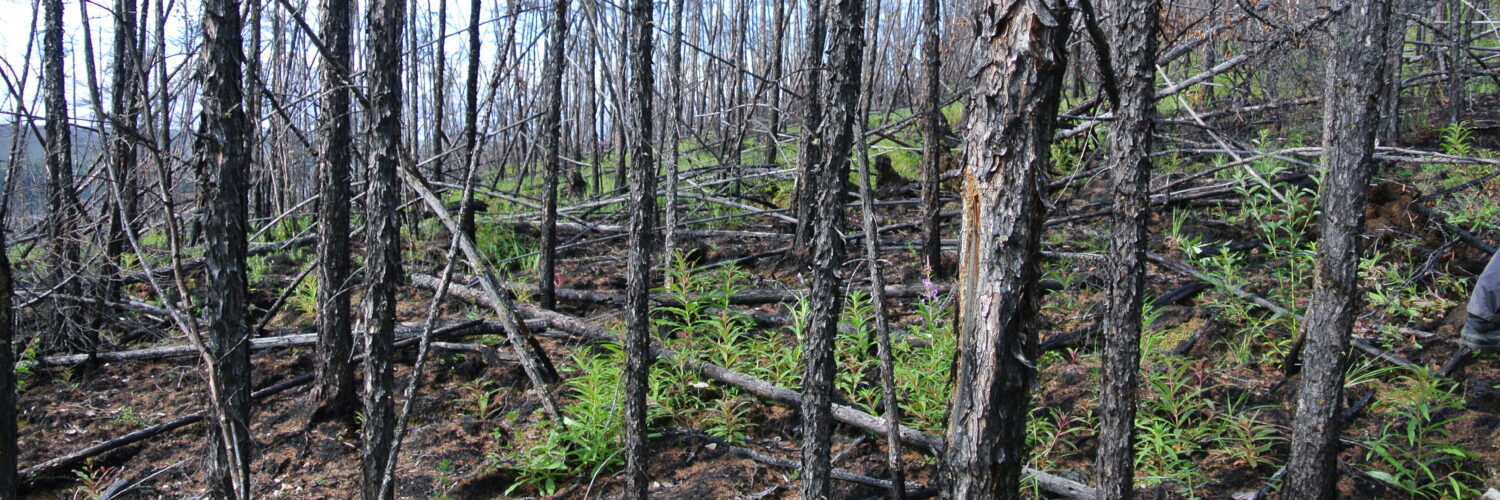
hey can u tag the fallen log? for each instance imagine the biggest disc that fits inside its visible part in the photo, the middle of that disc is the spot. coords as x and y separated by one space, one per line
916 490
62 463
926 443
534 361
413 334
1292 358
458 329
254 250
751 297
1081 335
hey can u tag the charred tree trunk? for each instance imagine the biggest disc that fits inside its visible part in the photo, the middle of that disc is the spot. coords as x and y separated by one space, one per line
778 42
125 110
223 163
1390 99
1351 106
674 137
471 93
440 94
1132 38
9 449
932 142
1012 112
552 144
826 190
382 241
1458 31
638 278
810 152
63 210
334 391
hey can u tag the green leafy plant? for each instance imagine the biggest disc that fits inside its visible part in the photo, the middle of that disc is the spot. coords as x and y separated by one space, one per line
481 399
130 417
1414 452
442 481
92 480
305 297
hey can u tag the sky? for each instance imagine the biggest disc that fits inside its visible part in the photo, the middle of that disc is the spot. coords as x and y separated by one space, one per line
16 17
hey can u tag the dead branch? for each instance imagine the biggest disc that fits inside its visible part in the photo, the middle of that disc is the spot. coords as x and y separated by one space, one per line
451 330
926 443
916 490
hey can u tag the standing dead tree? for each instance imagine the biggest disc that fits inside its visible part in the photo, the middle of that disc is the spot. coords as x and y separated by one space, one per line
63 209
932 140
810 149
9 449
552 148
1021 56
642 241
1132 49
222 162
1351 106
126 104
334 391
384 21
825 180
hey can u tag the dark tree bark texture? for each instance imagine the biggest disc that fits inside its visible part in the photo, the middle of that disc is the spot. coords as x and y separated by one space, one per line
552 147
1132 38
9 449
63 211
932 141
1351 108
641 244
382 240
223 164
810 152
334 391
125 108
826 191
1012 112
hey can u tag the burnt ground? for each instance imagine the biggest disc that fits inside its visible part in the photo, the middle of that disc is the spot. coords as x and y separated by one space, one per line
64 409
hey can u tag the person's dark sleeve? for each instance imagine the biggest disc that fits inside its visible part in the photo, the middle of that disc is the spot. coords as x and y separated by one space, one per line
1482 331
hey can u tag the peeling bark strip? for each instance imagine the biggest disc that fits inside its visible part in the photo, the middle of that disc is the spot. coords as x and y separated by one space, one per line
1351 107
1132 35
221 161
1013 109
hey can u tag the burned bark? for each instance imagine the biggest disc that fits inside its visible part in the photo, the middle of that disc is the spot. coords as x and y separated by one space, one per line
63 209
826 192
223 164
382 242
640 246
1132 38
552 147
810 150
1351 106
9 448
932 141
125 111
1013 109
334 391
